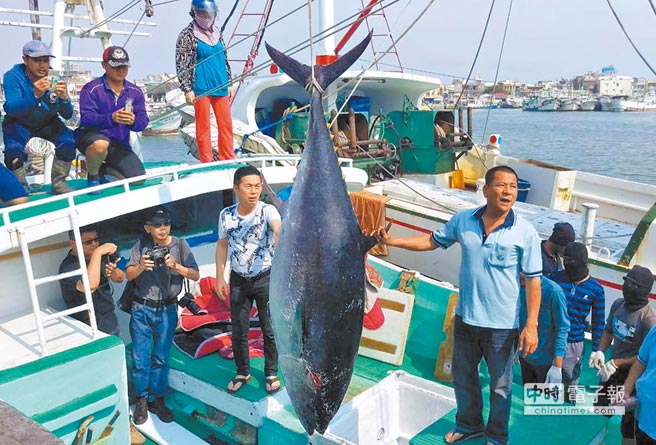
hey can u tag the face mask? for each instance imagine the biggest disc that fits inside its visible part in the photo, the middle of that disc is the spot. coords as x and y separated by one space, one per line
575 260
635 297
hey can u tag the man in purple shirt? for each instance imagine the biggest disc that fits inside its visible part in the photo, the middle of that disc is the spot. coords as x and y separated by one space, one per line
111 107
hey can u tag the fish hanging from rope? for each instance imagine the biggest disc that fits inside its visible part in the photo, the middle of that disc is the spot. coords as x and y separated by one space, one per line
318 272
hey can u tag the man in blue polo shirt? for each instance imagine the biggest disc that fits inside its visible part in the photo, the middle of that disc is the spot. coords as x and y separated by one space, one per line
497 244
111 107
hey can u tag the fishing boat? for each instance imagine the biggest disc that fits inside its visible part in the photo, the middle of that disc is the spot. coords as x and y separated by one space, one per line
163 123
590 105
57 372
570 105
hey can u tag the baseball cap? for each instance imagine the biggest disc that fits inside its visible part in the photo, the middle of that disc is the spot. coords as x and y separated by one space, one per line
159 216
116 56
36 48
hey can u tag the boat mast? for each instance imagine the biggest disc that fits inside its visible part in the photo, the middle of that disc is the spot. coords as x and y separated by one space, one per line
35 19
325 48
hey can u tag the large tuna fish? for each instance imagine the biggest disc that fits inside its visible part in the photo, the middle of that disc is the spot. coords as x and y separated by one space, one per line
318 272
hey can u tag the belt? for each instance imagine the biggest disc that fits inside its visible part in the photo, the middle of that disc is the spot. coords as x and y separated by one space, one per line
262 274
154 303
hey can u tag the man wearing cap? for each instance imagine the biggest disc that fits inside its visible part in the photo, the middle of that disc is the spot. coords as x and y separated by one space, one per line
159 262
35 106
629 320
111 107
552 249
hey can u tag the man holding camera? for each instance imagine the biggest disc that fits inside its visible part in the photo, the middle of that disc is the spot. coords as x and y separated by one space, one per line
158 264
35 106
111 107
101 262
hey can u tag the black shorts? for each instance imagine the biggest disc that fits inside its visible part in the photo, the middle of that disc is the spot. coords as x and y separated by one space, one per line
119 157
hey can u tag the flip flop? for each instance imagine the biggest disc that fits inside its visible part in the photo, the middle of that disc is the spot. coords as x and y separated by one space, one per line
238 383
463 436
272 384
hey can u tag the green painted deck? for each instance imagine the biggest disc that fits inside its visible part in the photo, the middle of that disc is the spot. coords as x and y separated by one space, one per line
424 338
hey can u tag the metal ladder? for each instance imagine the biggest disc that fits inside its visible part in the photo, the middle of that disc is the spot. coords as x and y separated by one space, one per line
33 282
380 41
249 62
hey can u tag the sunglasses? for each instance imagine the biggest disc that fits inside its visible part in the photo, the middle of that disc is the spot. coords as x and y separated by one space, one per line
91 241
160 224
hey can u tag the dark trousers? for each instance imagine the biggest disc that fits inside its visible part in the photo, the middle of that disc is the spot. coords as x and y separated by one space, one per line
615 381
243 292
533 373
642 438
16 136
497 347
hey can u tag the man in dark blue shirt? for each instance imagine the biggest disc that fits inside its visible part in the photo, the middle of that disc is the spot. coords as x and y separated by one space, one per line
584 294
552 249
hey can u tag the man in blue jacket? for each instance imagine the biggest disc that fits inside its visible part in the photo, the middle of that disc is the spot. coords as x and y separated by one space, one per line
34 107
111 107
545 365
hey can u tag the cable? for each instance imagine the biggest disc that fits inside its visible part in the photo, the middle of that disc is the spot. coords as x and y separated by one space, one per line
134 29
232 11
118 13
480 44
652 6
619 22
496 74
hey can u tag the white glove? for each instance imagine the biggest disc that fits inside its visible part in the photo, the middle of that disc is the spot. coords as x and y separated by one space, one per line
597 359
608 370
555 375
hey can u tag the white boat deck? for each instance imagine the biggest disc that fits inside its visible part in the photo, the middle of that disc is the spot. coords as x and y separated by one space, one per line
610 237
19 339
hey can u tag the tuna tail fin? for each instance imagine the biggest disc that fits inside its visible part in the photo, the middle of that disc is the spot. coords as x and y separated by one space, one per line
325 74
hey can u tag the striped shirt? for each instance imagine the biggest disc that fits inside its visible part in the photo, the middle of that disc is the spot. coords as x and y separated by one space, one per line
581 299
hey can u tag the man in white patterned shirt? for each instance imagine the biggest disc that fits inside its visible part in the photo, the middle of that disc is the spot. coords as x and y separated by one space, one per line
248 233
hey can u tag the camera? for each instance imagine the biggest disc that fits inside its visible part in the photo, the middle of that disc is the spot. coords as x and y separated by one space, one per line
158 255
112 257
187 301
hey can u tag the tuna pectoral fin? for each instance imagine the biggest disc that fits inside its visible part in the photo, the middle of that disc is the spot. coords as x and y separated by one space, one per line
368 242
325 74
277 202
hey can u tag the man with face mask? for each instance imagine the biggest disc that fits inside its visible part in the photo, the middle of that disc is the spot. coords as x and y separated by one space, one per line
584 294
629 321
201 62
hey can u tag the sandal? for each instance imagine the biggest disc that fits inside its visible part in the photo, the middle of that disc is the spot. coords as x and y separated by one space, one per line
238 382
272 384
462 436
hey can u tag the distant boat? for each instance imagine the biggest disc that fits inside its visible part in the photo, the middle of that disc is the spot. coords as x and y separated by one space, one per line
619 103
549 105
570 105
590 105
166 122
606 103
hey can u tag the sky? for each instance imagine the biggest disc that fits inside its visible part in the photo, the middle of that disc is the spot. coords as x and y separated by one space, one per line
546 40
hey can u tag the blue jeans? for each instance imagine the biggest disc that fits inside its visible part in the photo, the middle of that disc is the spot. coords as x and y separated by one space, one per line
152 337
242 294
497 347
16 136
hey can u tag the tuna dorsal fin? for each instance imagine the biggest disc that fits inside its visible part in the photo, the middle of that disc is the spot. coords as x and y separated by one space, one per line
368 242
325 74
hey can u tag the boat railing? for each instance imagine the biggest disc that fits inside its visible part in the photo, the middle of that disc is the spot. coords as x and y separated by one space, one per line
175 172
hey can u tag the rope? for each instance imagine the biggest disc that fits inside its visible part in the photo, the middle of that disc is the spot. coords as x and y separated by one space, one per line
480 44
619 22
117 14
496 74
652 6
313 80
232 11
134 29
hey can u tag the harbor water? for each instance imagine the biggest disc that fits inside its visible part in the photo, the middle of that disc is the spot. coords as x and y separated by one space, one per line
621 145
